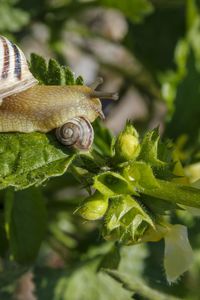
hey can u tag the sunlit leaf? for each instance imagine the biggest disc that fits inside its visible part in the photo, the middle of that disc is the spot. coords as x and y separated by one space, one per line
30 159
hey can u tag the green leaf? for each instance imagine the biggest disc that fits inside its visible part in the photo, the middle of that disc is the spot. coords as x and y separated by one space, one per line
158 155
141 173
88 162
118 207
3 238
186 117
30 159
102 139
158 206
25 223
79 80
69 76
138 286
55 73
141 39
137 254
111 259
38 68
149 149
175 193
12 18
135 10
61 284
182 88
112 184
126 220
52 73
80 283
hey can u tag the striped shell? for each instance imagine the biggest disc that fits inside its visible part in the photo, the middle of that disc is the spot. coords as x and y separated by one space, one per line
15 76
77 133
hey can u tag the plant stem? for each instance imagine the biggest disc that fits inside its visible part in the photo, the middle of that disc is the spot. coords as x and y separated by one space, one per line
138 286
175 193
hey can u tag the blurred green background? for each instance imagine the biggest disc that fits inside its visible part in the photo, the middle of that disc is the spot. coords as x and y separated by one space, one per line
149 51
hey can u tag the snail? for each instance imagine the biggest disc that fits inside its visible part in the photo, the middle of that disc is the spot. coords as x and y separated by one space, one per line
26 106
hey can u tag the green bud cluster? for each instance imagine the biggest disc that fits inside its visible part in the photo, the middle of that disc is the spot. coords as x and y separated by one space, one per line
116 200
131 186
126 220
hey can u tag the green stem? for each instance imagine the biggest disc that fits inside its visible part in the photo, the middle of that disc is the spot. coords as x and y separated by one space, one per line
138 286
175 193
191 13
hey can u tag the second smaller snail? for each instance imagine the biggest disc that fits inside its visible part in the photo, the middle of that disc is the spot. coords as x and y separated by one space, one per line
77 133
26 106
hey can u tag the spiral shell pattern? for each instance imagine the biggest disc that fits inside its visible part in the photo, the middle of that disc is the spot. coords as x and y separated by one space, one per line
15 76
77 133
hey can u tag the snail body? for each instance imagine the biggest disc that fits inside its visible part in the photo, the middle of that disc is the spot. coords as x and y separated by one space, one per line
43 108
27 107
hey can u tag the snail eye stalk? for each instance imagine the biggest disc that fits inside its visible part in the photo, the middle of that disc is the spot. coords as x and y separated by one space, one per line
105 95
100 94
96 83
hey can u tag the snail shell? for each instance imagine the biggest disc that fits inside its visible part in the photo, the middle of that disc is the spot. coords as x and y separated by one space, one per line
26 106
14 72
77 132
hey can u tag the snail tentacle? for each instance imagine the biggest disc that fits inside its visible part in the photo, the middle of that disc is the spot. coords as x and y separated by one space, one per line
101 94
105 95
96 83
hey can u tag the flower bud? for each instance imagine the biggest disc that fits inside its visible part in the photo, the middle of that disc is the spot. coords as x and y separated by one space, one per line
94 207
127 145
126 220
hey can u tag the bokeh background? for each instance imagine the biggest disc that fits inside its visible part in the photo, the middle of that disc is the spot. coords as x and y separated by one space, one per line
148 51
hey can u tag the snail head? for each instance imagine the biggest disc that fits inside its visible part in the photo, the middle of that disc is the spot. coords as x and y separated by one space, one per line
101 94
